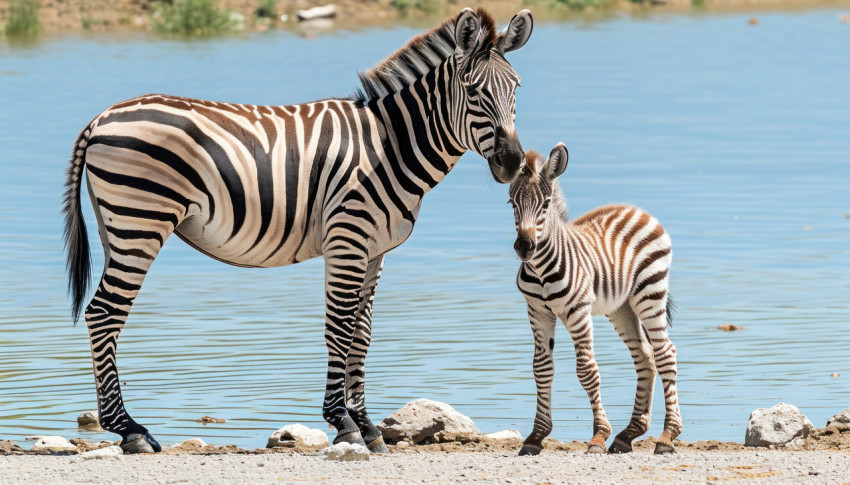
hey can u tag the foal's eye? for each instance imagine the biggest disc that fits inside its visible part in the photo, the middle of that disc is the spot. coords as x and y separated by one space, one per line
470 90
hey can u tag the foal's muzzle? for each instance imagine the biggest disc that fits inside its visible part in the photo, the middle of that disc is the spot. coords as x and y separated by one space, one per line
507 157
524 247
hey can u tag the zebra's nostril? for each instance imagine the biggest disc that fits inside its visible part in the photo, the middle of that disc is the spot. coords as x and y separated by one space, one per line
523 245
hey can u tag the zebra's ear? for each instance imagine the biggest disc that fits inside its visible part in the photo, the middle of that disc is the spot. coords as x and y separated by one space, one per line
517 32
467 30
557 162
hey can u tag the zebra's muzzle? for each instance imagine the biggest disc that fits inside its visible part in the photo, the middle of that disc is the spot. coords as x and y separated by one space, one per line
507 157
524 247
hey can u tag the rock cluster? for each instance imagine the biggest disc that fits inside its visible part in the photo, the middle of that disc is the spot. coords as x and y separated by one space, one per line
776 426
299 437
346 452
420 420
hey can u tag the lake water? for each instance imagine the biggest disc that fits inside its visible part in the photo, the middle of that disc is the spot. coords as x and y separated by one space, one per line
736 137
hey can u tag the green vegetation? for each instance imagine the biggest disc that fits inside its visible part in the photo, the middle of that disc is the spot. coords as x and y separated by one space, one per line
193 17
575 4
267 9
23 19
698 3
424 5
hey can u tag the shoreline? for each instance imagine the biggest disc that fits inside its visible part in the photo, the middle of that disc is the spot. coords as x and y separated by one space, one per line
757 466
60 17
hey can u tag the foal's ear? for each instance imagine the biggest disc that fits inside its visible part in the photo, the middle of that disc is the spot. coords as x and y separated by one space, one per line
467 30
517 32
557 162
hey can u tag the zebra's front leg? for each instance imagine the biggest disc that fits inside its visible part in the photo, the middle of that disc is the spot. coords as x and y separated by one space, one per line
345 274
105 317
355 372
543 323
580 325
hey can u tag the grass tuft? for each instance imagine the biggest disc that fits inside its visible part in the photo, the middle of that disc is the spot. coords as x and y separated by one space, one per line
193 17
23 19
424 5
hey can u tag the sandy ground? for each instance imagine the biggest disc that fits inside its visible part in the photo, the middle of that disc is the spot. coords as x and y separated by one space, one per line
765 466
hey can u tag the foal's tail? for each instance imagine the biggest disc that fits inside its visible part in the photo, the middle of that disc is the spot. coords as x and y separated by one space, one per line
671 307
78 262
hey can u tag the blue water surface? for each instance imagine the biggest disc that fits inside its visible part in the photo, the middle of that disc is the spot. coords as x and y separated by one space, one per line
736 137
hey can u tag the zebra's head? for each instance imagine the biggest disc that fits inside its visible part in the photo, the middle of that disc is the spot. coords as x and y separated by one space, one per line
532 193
484 86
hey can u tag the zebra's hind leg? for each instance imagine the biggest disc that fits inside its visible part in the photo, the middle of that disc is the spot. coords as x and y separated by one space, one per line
580 325
629 328
105 317
355 372
654 319
132 238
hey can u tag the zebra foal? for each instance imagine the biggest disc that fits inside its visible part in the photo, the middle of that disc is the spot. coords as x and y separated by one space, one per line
612 261
268 186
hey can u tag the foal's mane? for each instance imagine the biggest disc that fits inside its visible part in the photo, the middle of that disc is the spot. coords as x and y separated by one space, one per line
419 56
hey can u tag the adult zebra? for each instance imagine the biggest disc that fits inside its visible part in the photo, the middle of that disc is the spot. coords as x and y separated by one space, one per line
266 186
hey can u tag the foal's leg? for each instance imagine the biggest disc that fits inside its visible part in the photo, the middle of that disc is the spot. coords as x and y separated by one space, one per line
629 328
543 327
580 325
355 375
131 239
653 315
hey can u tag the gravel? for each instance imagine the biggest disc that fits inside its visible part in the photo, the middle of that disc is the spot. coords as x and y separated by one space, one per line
762 466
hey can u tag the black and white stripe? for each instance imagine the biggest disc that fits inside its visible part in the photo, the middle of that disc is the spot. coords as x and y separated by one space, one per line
264 186
612 261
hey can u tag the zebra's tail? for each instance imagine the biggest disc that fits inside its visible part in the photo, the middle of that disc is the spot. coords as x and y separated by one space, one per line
78 262
671 307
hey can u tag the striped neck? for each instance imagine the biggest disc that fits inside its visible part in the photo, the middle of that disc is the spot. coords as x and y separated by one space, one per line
418 129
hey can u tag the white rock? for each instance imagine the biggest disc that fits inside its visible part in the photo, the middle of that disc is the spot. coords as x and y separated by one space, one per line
505 435
776 426
103 453
88 419
422 419
325 11
191 444
840 420
346 452
298 436
53 443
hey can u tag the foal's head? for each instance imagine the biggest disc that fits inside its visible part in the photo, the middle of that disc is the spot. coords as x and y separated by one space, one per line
531 196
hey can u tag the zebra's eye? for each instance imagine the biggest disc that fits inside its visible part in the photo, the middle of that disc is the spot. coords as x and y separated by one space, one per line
546 204
471 91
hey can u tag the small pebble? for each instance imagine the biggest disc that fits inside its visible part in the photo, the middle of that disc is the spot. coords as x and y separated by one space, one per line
730 327
753 21
835 374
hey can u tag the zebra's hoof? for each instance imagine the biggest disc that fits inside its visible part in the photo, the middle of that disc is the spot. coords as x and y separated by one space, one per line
620 446
352 437
378 446
531 450
140 443
663 449
596 449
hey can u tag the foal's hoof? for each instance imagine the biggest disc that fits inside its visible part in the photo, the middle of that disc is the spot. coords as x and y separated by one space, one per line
663 448
596 449
619 446
352 437
530 450
378 446
140 443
